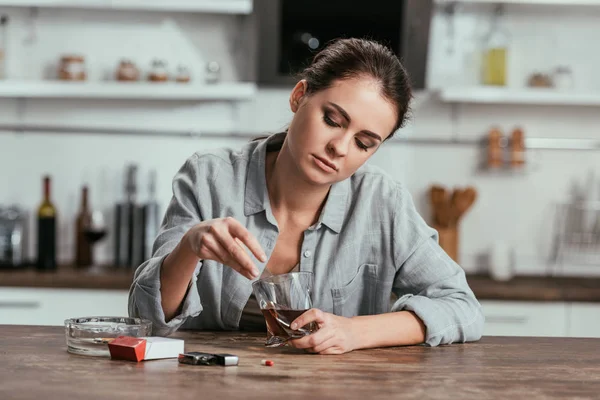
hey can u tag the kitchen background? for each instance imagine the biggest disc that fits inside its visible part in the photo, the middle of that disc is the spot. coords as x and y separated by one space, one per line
90 138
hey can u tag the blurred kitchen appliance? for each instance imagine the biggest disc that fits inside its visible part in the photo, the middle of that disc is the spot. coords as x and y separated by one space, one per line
289 33
12 237
125 222
151 217
136 224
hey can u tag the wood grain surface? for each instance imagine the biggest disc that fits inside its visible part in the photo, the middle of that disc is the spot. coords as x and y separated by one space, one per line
69 277
35 365
537 288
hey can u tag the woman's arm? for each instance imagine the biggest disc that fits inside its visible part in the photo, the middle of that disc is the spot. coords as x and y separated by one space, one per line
175 274
434 287
435 304
401 328
146 298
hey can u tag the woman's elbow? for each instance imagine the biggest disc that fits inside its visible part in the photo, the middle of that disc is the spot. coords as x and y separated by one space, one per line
475 331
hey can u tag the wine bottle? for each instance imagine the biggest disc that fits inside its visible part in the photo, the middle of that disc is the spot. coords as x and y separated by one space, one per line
46 238
83 247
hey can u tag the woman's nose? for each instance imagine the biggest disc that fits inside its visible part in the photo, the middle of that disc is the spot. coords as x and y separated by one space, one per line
339 145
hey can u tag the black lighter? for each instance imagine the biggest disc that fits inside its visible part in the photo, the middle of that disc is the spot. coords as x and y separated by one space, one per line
198 358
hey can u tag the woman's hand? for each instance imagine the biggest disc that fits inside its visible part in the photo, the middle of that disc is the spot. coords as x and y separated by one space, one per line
335 334
223 240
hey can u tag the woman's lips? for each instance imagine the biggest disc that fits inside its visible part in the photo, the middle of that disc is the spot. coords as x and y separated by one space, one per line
325 165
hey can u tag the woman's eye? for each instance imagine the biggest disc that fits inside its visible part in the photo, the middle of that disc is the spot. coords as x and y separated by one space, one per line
329 121
361 145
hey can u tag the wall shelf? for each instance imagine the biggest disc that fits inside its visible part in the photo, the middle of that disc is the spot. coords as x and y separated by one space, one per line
200 6
530 96
530 2
530 143
127 90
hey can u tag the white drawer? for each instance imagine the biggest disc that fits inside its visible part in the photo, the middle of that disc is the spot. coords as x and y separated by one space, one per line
34 306
516 318
584 320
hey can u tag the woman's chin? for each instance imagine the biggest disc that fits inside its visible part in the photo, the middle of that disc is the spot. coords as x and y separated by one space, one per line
318 178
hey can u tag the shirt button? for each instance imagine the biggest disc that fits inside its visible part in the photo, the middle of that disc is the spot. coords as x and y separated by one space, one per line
307 253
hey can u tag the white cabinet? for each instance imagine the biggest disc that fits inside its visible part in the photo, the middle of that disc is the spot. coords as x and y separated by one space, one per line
36 306
517 318
584 320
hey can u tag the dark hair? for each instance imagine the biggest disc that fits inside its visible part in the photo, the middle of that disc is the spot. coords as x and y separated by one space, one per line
354 58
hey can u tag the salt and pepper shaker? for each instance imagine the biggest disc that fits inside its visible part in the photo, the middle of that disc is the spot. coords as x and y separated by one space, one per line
517 148
495 149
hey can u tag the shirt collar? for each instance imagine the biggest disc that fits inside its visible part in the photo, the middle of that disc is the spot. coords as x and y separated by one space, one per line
256 198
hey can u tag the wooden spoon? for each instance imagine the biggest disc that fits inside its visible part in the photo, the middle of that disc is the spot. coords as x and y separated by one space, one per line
464 201
441 205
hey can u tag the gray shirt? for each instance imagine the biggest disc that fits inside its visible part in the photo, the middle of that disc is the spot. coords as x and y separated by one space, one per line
368 243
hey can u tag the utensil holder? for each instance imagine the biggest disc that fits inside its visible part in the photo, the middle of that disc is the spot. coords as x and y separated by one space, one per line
448 239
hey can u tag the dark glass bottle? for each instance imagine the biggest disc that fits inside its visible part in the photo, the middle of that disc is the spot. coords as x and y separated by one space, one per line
83 247
46 238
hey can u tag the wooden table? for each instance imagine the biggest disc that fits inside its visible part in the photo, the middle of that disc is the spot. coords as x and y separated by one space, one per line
34 364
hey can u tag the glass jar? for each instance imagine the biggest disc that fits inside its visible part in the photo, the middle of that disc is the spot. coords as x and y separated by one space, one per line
127 71
213 72
563 78
158 71
183 74
72 68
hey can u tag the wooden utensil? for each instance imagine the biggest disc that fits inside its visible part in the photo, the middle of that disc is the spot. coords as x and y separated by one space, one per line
441 205
464 201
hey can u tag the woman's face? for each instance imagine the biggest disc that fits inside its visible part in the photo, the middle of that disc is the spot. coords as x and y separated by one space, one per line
336 130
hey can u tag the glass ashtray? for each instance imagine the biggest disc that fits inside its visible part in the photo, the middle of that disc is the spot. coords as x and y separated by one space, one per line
89 336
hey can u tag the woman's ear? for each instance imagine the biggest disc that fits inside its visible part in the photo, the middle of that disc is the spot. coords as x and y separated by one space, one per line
298 94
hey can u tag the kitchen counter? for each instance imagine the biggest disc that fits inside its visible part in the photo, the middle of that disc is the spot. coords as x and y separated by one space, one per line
536 288
522 288
35 364
97 277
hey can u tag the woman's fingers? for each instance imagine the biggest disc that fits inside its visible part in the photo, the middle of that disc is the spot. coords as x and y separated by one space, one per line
313 340
233 250
312 315
323 346
239 231
214 245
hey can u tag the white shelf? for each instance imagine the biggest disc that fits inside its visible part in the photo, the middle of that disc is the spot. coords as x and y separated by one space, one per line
532 2
200 6
533 96
127 90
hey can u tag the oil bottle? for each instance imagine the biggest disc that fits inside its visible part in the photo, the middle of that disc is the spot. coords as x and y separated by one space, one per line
495 51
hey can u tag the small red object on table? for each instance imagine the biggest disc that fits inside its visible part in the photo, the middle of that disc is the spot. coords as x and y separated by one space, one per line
127 348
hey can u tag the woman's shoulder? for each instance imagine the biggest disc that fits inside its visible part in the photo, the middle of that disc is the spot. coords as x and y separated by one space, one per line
377 182
210 165
375 186
224 155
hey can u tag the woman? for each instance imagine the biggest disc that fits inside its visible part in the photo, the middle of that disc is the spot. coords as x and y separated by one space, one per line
304 200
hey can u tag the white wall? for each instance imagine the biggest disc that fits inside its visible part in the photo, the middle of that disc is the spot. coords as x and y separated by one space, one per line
516 209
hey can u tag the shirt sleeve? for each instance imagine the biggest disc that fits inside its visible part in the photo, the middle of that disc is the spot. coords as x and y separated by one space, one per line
430 284
181 214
